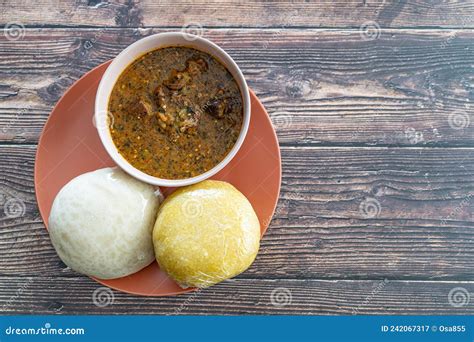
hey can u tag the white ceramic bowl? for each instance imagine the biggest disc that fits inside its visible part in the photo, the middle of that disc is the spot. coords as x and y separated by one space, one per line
130 54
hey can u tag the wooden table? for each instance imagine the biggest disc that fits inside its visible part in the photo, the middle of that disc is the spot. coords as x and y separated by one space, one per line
372 103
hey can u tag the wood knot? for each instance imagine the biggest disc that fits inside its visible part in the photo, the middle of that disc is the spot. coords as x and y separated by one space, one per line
52 92
128 15
378 190
298 88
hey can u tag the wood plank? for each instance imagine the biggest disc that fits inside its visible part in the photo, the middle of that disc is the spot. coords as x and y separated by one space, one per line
47 295
405 89
344 213
165 13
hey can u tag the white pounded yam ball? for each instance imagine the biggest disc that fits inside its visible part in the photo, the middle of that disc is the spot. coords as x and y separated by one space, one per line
101 223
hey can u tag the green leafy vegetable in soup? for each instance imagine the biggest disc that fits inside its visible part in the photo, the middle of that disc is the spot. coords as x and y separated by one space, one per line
175 113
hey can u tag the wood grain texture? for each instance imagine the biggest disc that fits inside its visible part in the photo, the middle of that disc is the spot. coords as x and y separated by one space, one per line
166 13
344 213
46 295
372 103
406 88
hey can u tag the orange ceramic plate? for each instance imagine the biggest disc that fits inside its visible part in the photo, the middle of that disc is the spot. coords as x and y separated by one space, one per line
70 146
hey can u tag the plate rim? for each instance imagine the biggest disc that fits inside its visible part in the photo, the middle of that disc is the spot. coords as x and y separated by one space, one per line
44 219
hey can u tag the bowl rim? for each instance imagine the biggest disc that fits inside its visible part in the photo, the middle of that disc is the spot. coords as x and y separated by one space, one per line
103 96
